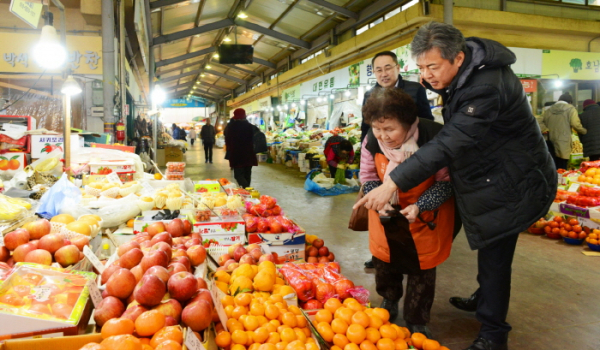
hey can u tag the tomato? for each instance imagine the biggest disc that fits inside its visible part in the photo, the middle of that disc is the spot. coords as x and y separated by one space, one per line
577 228
556 231
547 229
568 227
553 224
586 229
573 222
582 235
564 233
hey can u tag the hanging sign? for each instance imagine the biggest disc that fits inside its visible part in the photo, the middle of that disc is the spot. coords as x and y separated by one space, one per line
29 12
529 85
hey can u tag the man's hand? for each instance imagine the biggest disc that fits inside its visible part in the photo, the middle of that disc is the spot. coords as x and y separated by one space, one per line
410 212
386 208
379 197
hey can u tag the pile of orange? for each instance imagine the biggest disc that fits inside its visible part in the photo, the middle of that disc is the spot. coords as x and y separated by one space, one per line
263 323
593 237
591 176
352 326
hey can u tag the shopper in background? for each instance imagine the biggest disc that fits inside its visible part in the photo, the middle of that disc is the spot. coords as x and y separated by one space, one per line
175 131
192 135
395 135
558 121
207 134
338 149
499 165
240 147
590 120
387 72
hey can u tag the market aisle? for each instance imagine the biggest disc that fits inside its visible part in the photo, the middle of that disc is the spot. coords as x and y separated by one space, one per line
553 304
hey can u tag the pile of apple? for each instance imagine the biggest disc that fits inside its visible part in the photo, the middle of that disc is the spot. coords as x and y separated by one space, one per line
237 254
316 251
35 244
154 272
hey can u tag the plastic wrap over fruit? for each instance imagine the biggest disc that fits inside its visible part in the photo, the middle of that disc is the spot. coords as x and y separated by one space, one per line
268 201
263 225
251 222
297 280
361 294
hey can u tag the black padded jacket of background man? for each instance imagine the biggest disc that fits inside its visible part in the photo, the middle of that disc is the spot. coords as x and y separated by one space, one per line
415 90
503 176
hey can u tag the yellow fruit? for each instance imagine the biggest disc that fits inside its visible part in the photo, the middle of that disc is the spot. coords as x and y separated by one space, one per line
241 283
286 290
222 286
266 265
222 276
243 270
81 227
157 176
91 216
63 219
264 280
220 202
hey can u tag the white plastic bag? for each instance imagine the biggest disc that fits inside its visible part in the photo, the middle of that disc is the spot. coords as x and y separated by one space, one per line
120 211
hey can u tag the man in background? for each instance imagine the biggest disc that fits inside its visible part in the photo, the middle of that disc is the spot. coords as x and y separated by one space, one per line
590 119
207 134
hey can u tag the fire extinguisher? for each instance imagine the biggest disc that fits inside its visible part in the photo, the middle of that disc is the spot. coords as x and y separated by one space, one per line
120 131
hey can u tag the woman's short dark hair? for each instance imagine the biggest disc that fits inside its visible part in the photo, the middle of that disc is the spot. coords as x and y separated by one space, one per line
346 145
389 103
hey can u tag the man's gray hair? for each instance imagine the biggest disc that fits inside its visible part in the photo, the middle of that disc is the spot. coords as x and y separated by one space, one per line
445 37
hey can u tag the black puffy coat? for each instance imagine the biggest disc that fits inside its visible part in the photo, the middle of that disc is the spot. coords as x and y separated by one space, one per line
503 176
415 90
240 144
590 119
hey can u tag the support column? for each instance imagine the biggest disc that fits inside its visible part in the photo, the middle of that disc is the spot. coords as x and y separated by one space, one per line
123 70
108 65
448 4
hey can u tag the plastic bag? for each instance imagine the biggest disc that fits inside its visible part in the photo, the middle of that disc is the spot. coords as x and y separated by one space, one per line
63 193
122 210
340 176
297 280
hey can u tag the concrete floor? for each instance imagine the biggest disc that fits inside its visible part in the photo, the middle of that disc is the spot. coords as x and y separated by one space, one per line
555 287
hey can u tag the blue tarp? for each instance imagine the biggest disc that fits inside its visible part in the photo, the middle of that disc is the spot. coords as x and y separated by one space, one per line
337 189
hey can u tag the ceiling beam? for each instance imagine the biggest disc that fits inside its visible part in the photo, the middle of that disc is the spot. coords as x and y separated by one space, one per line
206 94
179 86
274 34
225 76
214 61
162 3
335 8
158 74
185 57
212 86
264 62
176 77
224 23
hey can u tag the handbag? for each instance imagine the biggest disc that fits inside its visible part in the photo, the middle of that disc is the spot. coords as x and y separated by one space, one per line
359 219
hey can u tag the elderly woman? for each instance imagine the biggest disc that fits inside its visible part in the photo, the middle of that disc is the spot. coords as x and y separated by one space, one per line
396 133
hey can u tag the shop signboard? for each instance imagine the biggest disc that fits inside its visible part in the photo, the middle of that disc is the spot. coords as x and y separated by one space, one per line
264 103
571 64
529 85
291 94
335 80
182 103
84 54
29 12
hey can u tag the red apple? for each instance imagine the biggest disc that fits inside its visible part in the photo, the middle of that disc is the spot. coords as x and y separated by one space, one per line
149 291
197 315
196 235
36 243
204 294
197 254
15 238
110 307
137 272
239 252
162 237
21 251
247 259
228 262
312 260
10 262
67 255
108 272
192 242
178 252
170 321
266 257
175 228
154 258
155 228
178 240
160 272
182 286
231 249
202 283
51 242
323 259
131 259
312 251
170 308
165 247
38 229
256 253
124 248
39 256
223 259
121 284
252 246
323 251
232 267
176 267
145 244
318 243
187 227
80 242
331 257
133 311
5 253
185 261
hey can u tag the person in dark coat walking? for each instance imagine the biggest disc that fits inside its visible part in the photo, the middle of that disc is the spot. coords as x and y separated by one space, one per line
499 164
590 119
207 134
240 147
387 72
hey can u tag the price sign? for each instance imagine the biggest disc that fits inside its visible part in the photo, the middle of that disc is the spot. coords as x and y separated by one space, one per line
214 291
112 238
265 248
573 188
192 342
41 293
87 252
114 178
147 189
94 293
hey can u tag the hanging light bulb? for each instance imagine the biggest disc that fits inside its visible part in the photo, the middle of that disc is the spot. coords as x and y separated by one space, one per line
558 83
48 52
302 102
70 87
208 67
216 55
293 105
332 96
158 95
227 39
318 99
347 93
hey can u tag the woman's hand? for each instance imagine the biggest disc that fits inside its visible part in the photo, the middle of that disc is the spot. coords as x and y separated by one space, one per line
410 212
386 208
378 197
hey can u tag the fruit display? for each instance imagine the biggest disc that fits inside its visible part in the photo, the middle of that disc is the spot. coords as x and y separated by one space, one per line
45 292
12 208
563 227
350 325
263 323
176 167
34 243
316 251
316 283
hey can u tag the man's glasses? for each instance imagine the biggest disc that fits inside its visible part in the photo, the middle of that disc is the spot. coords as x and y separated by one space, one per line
387 69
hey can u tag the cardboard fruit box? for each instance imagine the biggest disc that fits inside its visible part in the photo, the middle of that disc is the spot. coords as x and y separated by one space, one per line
56 342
